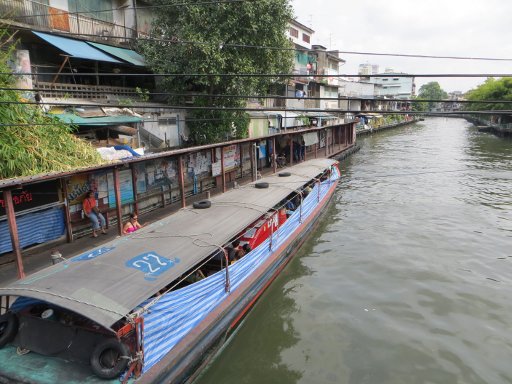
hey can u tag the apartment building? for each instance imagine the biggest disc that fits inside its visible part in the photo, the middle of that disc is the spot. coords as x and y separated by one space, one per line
79 54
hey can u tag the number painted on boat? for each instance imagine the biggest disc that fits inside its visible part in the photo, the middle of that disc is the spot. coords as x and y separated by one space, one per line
93 254
151 264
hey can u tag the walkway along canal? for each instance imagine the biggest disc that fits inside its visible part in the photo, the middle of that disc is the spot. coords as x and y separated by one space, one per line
409 278
45 208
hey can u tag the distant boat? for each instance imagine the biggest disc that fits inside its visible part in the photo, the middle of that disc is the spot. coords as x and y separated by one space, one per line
154 306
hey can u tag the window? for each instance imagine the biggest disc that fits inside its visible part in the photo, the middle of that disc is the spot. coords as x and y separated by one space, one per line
167 121
294 32
92 9
306 38
385 79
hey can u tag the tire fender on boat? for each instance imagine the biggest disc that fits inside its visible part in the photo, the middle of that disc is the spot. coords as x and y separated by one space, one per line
284 174
261 185
202 204
109 358
8 327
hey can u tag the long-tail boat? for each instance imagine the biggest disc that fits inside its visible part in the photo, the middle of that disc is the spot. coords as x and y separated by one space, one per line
154 306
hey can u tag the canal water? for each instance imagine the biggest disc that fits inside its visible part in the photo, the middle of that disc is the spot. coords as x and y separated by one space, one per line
407 280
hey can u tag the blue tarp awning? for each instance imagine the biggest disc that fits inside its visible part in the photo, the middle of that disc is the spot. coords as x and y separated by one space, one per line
124 54
76 48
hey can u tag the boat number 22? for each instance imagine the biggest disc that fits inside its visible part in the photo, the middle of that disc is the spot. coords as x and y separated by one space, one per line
151 264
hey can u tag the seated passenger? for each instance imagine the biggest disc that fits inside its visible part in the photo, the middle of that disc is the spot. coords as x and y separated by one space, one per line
232 249
242 251
132 225
247 248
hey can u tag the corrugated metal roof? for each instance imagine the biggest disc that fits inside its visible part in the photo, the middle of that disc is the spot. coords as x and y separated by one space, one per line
106 283
75 48
71 118
128 55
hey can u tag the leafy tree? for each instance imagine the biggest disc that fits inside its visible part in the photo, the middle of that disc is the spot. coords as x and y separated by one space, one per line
420 106
491 89
432 91
219 39
40 143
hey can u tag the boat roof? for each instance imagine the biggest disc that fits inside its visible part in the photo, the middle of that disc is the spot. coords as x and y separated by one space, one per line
107 283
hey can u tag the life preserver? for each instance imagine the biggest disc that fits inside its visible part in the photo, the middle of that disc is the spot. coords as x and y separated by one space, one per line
8 327
261 185
284 174
202 204
109 358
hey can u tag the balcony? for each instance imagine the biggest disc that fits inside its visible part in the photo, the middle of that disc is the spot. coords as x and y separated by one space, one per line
84 92
45 18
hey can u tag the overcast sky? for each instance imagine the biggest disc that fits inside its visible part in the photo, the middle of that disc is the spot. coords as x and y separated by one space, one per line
469 28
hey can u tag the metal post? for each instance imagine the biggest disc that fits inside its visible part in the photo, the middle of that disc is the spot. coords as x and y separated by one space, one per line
241 161
285 105
222 170
182 181
134 187
13 231
291 150
67 215
253 155
274 154
300 210
117 189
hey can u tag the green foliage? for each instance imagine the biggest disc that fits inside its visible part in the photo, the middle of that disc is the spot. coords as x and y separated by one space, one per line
212 126
419 106
142 93
305 120
46 145
204 38
432 91
491 89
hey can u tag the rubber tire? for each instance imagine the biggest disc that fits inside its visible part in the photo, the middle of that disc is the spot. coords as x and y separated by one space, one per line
261 185
119 366
284 174
202 204
8 328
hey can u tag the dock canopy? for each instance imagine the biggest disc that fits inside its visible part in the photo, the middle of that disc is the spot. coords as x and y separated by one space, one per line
107 283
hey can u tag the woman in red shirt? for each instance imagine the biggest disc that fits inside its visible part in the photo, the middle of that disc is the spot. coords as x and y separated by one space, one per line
93 213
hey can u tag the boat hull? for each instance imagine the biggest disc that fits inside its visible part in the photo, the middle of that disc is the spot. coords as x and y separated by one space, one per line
184 362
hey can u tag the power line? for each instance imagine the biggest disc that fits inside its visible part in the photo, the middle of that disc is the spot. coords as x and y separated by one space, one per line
278 97
235 45
266 109
423 56
244 75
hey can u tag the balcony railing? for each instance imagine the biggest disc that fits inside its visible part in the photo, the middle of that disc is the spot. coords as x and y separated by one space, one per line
43 17
87 92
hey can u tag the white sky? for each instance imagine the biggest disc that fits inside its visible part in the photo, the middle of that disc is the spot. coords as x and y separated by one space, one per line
469 28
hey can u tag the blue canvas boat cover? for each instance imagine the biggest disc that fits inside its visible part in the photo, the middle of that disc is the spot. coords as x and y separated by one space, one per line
174 314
